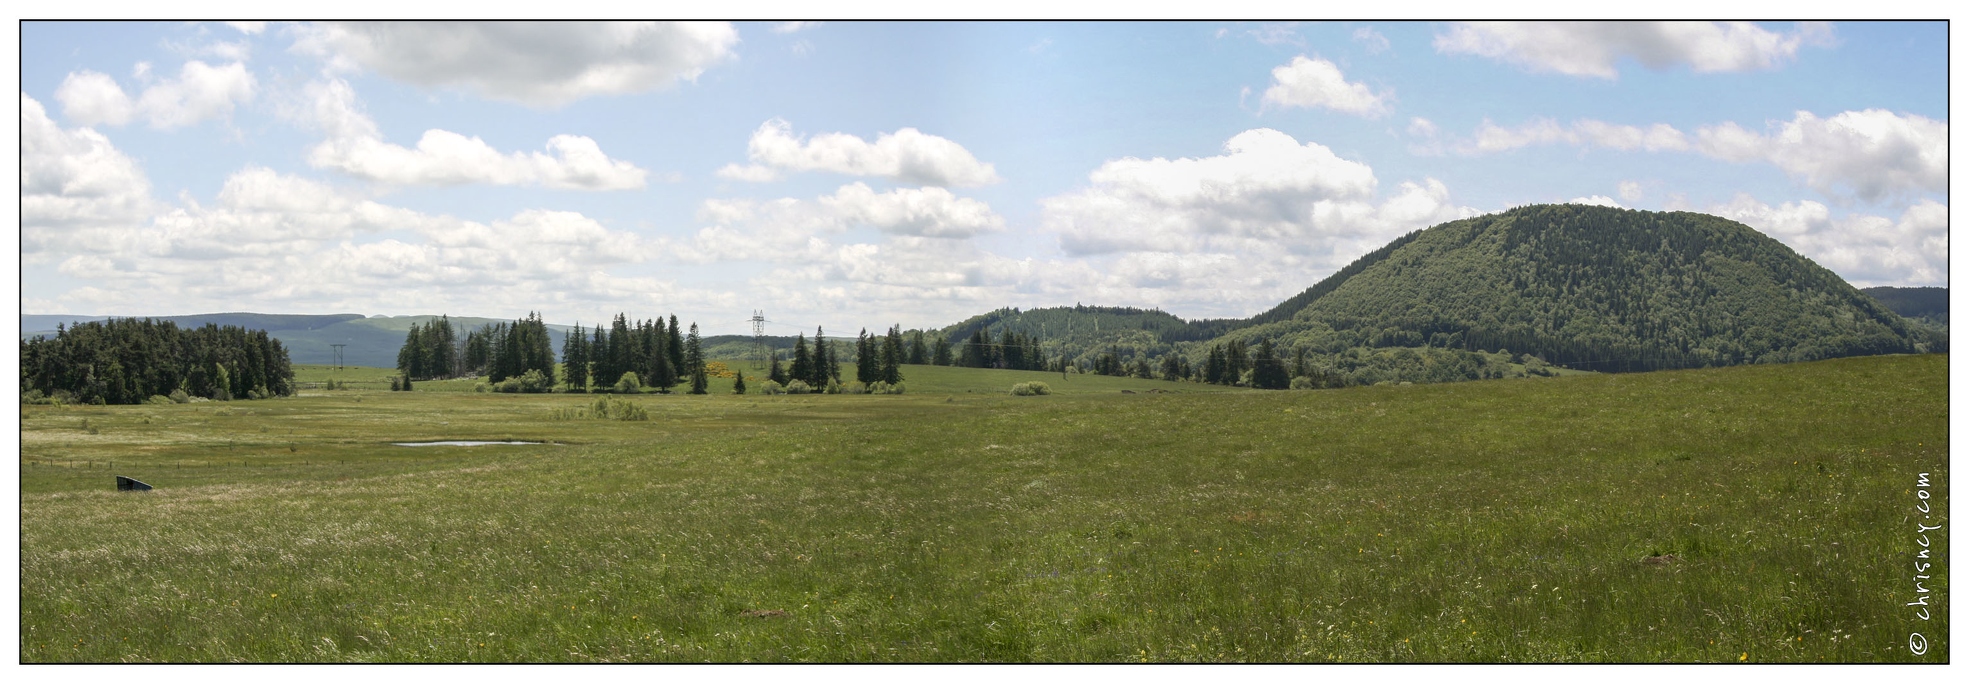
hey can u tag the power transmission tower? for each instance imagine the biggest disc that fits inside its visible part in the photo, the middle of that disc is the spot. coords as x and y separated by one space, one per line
759 338
338 355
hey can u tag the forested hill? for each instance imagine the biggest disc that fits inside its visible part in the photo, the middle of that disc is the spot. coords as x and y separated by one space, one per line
1593 288
1929 303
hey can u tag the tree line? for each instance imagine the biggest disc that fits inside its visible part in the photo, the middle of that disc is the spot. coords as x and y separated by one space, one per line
130 360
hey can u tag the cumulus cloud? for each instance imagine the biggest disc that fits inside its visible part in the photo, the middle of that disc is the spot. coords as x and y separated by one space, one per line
795 26
1308 83
908 156
199 92
92 99
1871 153
1867 250
1594 48
73 179
1631 191
540 64
1233 233
789 229
278 241
442 157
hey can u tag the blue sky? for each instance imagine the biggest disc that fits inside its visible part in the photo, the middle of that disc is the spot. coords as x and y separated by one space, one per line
860 174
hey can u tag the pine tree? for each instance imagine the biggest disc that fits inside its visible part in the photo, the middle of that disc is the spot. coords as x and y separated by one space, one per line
674 349
694 360
892 355
823 366
1267 372
941 355
803 364
918 354
778 373
738 382
574 353
866 368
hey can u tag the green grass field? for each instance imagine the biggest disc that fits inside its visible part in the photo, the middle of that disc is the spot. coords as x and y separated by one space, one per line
1747 514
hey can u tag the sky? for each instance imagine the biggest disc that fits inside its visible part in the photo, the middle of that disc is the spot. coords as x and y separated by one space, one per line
857 175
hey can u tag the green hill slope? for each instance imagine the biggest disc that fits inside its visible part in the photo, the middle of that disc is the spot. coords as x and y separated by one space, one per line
1594 288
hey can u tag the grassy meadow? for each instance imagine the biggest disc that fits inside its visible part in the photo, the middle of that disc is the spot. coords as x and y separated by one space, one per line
1744 514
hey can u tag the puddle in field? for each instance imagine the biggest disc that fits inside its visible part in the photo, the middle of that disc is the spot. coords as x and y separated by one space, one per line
456 443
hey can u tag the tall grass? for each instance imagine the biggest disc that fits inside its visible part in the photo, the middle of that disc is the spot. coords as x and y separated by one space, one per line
1741 514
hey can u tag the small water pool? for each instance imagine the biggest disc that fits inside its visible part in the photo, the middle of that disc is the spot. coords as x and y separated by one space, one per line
456 443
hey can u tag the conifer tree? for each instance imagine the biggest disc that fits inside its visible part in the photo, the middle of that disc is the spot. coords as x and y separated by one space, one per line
778 373
574 353
803 363
941 355
738 382
674 348
1267 371
694 360
892 355
866 368
918 354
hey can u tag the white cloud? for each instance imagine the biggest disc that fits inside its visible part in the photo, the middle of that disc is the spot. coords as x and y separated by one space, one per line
251 28
1872 153
279 242
201 91
1594 48
73 179
89 99
541 64
789 229
923 212
908 156
1371 39
445 158
795 26
1308 83
1232 234
1865 250
1286 33
1421 128
1631 191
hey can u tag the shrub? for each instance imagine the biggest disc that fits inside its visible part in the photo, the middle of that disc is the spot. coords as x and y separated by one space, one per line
33 396
1027 389
567 414
833 387
771 387
611 408
858 388
396 383
879 387
509 385
1304 383
629 384
481 387
798 387
159 399
534 382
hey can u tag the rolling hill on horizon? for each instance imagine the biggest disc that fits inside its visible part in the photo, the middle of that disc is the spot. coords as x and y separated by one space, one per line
1592 288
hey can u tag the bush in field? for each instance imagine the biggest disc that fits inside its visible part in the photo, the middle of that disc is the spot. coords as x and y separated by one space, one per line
629 384
799 387
159 399
535 382
1027 389
509 385
857 388
879 387
481 388
834 387
771 388
1304 383
611 408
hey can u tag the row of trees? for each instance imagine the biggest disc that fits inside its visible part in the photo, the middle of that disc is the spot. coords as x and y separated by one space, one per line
497 350
653 352
815 368
881 361
129 360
